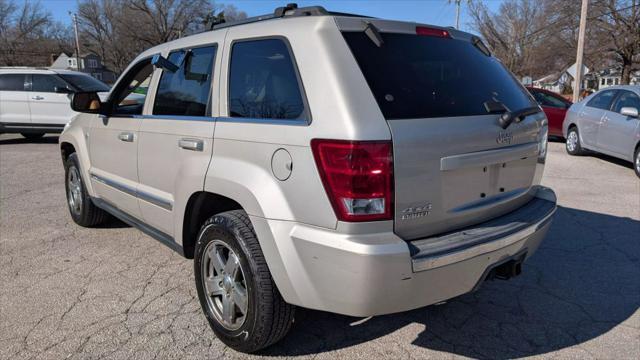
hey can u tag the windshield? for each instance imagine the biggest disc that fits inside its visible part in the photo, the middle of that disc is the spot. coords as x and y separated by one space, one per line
85 82
415 76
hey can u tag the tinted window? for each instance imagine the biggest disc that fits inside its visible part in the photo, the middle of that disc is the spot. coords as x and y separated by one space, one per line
415 76
548 100
263 81
46 83
12 82
602 100
85 82
186 91
129 99
627 99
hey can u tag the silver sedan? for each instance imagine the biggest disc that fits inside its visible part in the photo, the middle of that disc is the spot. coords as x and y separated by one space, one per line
606 122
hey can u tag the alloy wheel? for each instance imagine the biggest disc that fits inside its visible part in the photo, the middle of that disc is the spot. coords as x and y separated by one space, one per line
225 285
74 194
572 141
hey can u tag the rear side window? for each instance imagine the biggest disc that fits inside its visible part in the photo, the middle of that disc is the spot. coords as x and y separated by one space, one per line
12 82
263 82
46 83
548 100
85 82
627 99
186 91
602 100
415 76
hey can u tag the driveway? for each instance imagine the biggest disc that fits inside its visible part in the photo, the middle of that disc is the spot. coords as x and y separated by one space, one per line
114 293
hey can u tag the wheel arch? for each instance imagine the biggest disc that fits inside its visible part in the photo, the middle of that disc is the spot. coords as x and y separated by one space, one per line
201 206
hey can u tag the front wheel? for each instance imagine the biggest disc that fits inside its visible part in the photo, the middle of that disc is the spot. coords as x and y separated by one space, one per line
83 211
237 294
573 145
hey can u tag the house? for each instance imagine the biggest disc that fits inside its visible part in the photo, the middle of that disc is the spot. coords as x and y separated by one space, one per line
89 63
613 76
563 81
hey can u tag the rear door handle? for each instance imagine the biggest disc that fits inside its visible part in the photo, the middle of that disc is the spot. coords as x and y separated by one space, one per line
191 144
38 98
126 136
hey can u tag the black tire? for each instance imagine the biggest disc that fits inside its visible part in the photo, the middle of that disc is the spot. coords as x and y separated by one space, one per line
572 142
268 317
32 136
636 161
86 214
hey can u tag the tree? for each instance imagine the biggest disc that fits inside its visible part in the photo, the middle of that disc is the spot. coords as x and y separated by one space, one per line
620 25
28 36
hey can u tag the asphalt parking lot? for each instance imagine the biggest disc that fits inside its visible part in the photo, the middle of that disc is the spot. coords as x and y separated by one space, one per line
112 292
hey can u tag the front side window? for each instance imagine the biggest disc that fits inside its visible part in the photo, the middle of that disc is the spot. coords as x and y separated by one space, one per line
549 100
129 99
602 100
263 82
186 91
627 99
46 83
12 82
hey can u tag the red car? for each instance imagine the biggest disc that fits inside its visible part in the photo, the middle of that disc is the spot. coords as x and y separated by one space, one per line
554 106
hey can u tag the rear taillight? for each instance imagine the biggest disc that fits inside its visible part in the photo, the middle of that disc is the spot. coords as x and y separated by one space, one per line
357 176
427 31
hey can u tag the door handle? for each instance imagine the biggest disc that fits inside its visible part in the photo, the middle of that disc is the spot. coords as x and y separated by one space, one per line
191 144
38 98
126 136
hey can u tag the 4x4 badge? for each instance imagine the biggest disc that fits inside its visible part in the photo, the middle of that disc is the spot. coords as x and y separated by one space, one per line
416 211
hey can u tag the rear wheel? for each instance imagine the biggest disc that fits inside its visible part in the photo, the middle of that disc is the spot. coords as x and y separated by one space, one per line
32 136
573 142
237 294
636 161
82 210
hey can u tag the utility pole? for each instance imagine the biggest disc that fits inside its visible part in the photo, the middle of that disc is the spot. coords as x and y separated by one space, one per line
457 13
75 29
583 27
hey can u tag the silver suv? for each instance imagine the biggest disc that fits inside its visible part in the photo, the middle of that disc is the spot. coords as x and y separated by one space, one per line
329 161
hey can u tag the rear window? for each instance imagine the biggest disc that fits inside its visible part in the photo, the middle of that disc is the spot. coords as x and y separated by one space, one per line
415 76
85 82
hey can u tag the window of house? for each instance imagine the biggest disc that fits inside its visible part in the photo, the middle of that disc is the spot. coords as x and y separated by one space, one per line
602 100
609 81
129 99
72 62
97 75
46 83
263 82
617 81
12 82
602 81
93 63
186 91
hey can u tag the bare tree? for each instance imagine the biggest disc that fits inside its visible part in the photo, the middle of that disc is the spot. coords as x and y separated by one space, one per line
28 36
620 25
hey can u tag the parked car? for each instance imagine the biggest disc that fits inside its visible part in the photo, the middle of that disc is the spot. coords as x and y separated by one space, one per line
36 101
606 122
555 107
360 175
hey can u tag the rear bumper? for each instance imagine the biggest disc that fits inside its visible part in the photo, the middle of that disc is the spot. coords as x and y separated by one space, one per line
379 273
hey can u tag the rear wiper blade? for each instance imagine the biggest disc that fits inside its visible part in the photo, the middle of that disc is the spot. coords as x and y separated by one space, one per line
508 116
373 33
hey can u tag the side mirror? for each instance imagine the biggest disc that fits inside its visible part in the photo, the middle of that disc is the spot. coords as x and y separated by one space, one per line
629 111
62 90
86 102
